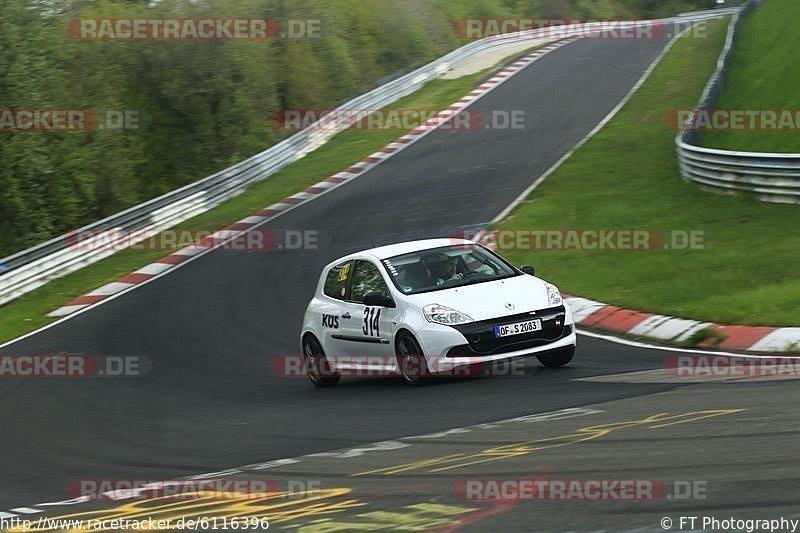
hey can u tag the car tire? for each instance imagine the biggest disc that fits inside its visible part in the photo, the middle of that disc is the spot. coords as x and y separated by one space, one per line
411 363
318 368
558 357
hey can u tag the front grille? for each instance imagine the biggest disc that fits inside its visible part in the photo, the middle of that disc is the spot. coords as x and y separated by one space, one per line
482 341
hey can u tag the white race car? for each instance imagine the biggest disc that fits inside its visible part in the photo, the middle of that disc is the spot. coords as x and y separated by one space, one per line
425 307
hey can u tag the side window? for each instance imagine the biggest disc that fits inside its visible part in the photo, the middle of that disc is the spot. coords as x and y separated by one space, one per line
366 279
336 281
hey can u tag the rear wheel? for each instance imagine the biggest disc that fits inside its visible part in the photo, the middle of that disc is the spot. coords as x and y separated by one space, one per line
559 357
410 360
318 368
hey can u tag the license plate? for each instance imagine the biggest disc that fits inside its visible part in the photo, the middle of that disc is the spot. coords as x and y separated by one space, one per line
519 328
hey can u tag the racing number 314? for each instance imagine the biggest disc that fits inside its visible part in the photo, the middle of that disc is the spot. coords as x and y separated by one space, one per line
372 316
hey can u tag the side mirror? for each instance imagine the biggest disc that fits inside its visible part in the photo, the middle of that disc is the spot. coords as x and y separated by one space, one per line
528 269
375 299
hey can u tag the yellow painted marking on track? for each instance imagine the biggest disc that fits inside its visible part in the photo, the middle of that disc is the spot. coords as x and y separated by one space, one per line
416 517
510 451
277 507
695 419
418 464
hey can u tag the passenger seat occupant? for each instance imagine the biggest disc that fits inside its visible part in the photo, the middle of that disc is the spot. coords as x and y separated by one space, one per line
416 276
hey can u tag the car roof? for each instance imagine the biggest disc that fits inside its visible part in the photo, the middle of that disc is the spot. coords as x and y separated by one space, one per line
391 250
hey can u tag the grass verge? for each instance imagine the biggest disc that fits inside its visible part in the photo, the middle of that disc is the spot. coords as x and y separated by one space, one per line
30 311
626 177
761 77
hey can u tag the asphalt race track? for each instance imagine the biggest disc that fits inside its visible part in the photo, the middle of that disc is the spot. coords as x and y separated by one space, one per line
212 402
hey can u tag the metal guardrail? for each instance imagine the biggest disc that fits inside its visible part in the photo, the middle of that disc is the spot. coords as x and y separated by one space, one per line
31 268
772 177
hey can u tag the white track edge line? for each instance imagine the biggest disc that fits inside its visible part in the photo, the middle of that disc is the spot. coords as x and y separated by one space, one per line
641 344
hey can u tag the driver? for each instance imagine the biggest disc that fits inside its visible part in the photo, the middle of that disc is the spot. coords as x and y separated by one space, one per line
443 268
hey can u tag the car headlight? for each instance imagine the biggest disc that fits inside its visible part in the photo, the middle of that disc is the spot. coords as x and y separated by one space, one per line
553 296
441 314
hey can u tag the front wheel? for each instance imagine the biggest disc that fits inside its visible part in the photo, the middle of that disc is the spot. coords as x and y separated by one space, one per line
559 357
410 360
318 368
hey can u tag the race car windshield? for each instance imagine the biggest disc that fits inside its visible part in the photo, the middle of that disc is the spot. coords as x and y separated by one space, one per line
446 268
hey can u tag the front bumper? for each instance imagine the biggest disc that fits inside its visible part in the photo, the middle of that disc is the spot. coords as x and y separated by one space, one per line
476 342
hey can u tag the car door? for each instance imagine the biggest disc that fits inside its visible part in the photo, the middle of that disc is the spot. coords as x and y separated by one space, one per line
370 329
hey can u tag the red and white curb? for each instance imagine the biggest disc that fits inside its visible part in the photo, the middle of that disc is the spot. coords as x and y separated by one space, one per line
220 238
610 318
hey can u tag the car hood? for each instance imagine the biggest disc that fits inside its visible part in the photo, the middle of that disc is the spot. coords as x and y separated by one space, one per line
490 299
